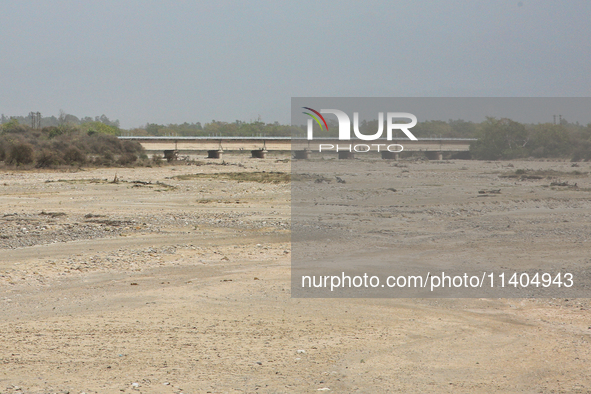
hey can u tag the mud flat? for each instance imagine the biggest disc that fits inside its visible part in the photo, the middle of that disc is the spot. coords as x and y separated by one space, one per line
177 279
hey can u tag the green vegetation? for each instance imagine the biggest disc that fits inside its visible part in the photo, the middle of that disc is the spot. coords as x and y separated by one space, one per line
217 128
63 120
500 139
506 139
71 140
65 145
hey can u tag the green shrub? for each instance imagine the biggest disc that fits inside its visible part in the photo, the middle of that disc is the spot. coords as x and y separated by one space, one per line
127 158
13 126
47 159
20 153
100 128
73 155
157 159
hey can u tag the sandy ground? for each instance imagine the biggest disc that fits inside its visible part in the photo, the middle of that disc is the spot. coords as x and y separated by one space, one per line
167 282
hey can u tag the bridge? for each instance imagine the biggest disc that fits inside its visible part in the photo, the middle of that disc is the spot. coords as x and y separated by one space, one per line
201 144
433 147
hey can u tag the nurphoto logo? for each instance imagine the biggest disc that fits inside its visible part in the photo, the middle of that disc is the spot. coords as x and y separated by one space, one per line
345 124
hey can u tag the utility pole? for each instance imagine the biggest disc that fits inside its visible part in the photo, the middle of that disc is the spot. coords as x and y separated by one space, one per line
35 120
554 118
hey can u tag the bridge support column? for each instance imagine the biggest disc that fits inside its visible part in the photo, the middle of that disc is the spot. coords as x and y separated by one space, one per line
171 155
390 155
302 154
434 155
259 153
215 154
346 155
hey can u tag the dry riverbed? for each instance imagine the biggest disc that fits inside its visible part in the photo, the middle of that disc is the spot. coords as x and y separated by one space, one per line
176 279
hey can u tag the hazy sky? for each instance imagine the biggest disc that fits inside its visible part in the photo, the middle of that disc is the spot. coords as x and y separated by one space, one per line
177 61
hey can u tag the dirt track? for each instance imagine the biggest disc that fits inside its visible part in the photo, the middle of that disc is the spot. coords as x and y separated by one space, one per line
168 284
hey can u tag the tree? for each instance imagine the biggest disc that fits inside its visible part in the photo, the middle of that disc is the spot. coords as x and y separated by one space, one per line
153 128
61 120
549 140
500 139
104 119
100 127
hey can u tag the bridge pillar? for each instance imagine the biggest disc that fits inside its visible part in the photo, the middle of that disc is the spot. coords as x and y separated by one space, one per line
346 155
302 154
171 154
259 153
390 155
434 155
215 154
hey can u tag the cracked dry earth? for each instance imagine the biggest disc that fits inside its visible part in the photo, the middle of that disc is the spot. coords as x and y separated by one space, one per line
177 280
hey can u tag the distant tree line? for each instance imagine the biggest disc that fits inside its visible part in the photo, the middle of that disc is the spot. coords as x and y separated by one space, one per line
62 119
507 139
217 128
498 139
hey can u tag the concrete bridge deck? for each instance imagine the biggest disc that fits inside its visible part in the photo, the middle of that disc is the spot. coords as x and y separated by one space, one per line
159 143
